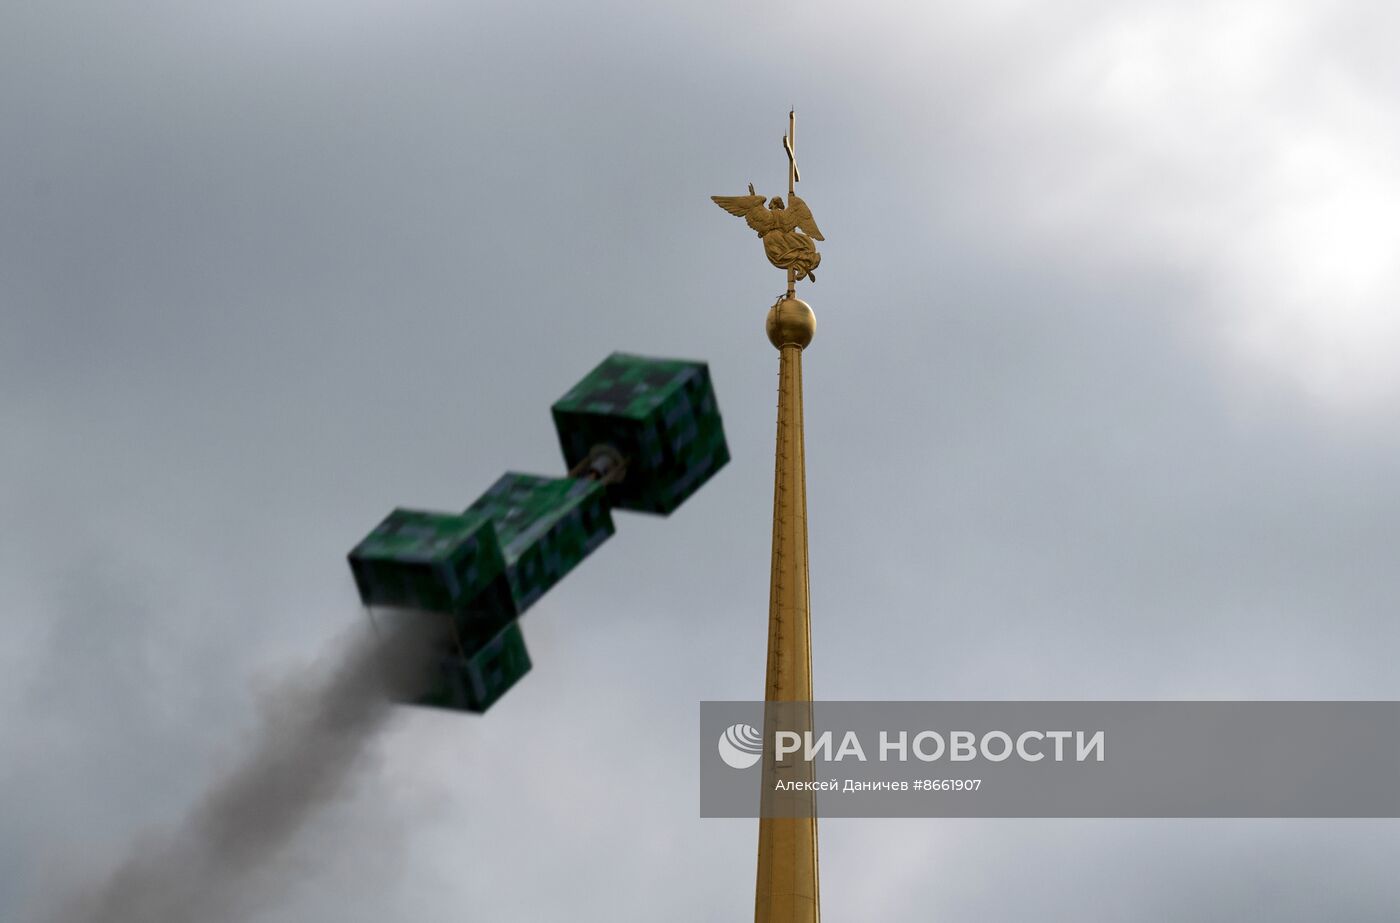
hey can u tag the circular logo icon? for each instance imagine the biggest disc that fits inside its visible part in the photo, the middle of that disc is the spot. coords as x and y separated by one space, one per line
740 746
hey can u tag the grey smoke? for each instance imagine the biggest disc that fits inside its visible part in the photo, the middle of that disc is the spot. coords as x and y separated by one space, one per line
313 740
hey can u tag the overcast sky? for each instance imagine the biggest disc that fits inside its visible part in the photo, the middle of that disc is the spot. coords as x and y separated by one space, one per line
1102 404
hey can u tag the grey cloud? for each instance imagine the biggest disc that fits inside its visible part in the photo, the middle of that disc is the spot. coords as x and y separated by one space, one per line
267 272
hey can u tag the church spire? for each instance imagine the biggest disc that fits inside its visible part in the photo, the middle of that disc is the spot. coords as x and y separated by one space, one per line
787 887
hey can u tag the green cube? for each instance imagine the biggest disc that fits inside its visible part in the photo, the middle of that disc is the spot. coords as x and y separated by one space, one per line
436 562
475 681
545 527
660 414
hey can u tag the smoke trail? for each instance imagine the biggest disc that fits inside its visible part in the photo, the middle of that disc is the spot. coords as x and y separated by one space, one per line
301 760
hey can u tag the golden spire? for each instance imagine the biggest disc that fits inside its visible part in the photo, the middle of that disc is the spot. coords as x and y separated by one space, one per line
787 888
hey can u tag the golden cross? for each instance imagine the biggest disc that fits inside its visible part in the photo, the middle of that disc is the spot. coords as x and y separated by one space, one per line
790 145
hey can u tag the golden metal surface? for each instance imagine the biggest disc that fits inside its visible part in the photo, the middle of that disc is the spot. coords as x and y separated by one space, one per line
794 177
787 887
791 322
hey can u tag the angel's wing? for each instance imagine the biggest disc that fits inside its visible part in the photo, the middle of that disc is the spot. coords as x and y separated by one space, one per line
748 207
738 205
798 215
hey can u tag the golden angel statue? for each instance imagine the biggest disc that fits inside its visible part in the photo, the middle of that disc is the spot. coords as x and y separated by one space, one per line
781 227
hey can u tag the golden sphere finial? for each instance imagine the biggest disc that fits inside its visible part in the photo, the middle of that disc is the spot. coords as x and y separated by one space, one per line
791 323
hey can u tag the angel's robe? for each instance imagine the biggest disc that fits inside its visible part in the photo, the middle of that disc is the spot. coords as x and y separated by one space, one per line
786 249
791 250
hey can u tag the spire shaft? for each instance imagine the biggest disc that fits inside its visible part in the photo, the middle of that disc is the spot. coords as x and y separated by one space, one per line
787 890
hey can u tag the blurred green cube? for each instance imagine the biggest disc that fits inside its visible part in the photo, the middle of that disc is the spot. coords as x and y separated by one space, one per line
474 680
545 527
660 414
436 562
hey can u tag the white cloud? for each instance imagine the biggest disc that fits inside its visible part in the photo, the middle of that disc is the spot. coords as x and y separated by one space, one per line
1231 143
